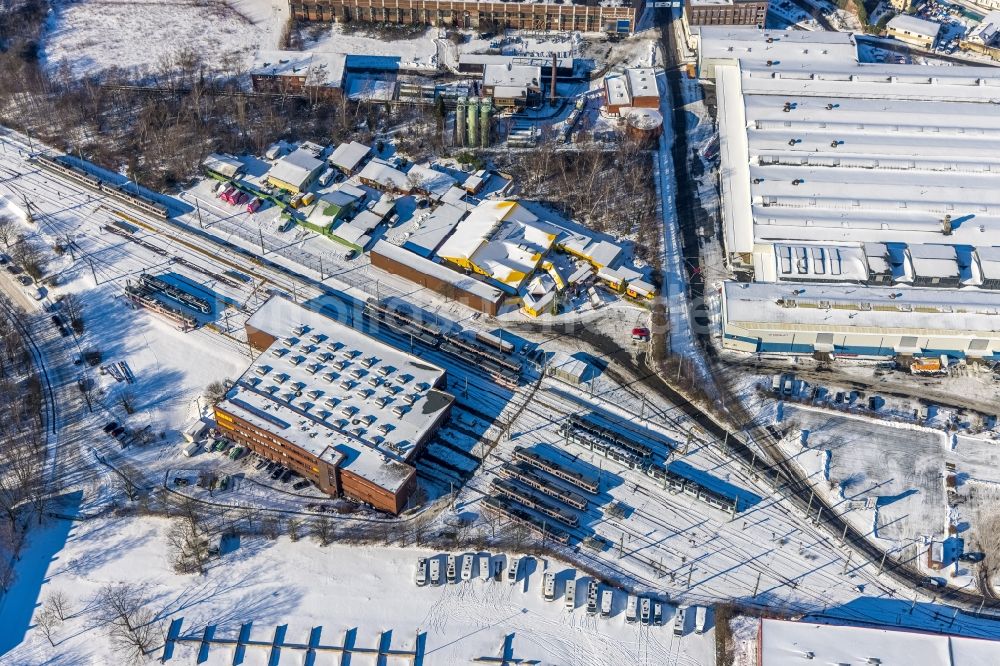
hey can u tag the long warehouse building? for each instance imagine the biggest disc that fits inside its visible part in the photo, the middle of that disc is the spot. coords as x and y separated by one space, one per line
837 174
343 410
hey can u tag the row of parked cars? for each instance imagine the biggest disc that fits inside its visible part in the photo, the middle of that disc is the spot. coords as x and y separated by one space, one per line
235 196
279 473
600 597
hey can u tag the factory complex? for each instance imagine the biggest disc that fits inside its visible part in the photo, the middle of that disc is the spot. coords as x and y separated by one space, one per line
860 202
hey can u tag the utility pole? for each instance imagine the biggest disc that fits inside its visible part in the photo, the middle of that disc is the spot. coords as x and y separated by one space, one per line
882 563
756 585
197 205
847 563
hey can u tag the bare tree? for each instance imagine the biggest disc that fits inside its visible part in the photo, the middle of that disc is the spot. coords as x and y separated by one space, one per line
323 531
47 623
60 604
216 392
189 546
989 542
127 400
293 528
74 312
270 527
29 257
125 609
8 230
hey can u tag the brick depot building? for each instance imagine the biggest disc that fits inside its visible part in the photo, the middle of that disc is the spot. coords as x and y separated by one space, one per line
608 16
345 411
726 12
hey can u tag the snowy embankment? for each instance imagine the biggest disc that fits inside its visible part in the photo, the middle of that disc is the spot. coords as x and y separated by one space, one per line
343 590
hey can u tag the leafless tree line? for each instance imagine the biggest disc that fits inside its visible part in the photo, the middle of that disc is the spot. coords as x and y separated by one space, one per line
609 190
23 487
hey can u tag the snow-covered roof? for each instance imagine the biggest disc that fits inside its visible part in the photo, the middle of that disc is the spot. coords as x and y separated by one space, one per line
222 164
286 393
785 643
914 25
318 67
513 76
383 175
818 262
366 220
426 266
479 226
822 307
501 239
751 45
429 230
281 63
295 168
347 156
642 82
600 252
430 180
616 88
353 232
940 261
827 151
989 262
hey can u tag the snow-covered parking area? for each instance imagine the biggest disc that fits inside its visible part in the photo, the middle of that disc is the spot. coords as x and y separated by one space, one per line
346 591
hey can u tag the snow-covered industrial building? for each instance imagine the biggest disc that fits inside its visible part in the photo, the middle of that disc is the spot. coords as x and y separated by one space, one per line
343 410
842 173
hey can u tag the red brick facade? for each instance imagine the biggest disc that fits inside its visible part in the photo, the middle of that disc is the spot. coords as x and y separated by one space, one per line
473 15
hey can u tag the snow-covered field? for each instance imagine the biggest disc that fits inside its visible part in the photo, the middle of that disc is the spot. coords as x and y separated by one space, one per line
363 591
90 36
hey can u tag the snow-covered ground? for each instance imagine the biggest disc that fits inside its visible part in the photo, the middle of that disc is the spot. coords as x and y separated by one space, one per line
364 591
90 36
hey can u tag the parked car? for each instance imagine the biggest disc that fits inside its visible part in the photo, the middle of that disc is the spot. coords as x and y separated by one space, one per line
286 477
301 485
110 426
25 280
278 471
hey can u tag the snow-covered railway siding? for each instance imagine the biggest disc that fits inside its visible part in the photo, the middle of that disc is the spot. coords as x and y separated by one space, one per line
661 541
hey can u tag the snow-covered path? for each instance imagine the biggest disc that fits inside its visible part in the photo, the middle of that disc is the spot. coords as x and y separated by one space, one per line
674 289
